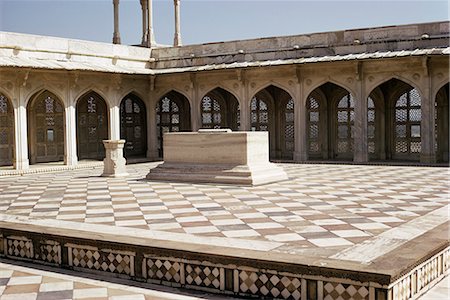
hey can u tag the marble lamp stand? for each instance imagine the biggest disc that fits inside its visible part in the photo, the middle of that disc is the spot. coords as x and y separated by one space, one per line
114 162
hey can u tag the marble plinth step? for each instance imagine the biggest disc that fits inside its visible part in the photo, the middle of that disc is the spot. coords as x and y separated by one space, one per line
221 173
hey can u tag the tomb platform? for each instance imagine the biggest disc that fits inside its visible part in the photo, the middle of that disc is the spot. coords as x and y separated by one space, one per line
217 156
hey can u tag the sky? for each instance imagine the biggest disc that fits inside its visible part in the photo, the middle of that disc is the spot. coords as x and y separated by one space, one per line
204 21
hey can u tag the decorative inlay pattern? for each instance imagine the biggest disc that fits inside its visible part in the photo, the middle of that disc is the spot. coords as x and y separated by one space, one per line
107 260
334 290
269 285
163 269
51 252
19 247
203 276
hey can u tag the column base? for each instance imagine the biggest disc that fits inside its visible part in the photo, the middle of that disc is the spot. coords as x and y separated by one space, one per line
153 155
428 158
71 161
21 164
300 157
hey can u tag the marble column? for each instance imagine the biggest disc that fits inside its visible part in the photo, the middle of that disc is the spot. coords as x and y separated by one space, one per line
70 155
114 125
144 22
20 136
177 37
427 125
361 151
300 137
116 35
152 130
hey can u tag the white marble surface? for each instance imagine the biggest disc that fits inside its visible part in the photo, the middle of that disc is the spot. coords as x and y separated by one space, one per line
389 240
130 235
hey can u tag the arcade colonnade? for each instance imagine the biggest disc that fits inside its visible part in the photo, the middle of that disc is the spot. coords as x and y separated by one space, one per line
363 117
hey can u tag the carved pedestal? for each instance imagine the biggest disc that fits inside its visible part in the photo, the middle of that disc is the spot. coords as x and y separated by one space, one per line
114 162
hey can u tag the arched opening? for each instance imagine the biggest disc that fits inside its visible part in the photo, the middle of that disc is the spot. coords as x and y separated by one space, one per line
92 126
394 122
272 110
220 109
442 124
133 126
330 128
45 128
172 115
6 131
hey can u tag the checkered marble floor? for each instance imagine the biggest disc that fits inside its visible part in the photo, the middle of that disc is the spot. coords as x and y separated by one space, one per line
19 282
319 207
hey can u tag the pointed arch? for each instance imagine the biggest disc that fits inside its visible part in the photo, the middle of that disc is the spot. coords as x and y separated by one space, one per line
92 90
133 125
220 109
382 81
6 130
41 89
46 126
442 144
173 114
324 81
226 89
172 90
397 120
270 83
272 110
132 91
92 116
330 125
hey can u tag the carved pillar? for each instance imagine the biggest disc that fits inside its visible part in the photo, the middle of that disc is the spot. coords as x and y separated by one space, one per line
144 22
116 35
20 133
177 37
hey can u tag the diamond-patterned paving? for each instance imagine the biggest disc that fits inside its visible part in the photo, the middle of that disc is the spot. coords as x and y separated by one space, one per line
320 206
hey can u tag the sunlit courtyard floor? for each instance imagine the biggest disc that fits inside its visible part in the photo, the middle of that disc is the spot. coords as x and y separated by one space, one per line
361 218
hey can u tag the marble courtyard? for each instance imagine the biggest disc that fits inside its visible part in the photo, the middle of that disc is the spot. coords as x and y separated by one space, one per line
358 232
311 166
